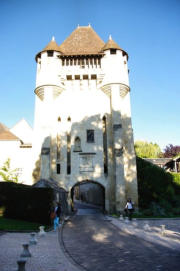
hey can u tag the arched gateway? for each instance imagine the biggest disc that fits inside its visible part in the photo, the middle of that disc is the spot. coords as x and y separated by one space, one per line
82 127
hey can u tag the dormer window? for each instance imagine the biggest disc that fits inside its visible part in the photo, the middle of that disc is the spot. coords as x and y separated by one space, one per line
50 53
113 51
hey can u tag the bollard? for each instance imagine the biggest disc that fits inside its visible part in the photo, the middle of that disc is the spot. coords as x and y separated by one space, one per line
146 227
162 230
33 240
21 265
121 217
126 219
25 252
41 232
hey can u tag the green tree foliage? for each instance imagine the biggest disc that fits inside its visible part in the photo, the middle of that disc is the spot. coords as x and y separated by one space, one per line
144 149
8 174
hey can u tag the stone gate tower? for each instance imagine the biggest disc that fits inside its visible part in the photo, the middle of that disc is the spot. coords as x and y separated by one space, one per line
82 127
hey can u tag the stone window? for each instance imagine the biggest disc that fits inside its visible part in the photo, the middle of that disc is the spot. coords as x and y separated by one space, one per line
69 77
85 77
113 51
93 76
90 136
77 77
50 53
77 144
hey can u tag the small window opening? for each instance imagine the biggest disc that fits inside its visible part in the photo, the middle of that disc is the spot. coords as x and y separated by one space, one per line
63 62
77 144
90 136
69 119
58 168
69 77
113 51
59 119
93 76
77 77
50 53
71 62
85 77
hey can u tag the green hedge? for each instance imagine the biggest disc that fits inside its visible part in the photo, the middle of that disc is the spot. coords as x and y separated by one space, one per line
157 188
26 202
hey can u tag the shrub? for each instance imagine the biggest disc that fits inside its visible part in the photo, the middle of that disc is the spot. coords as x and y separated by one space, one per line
25 202
159 191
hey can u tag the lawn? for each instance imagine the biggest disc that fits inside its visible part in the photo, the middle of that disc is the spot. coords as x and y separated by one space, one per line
17 225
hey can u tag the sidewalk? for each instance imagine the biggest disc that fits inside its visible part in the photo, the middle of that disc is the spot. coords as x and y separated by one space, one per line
150 230
47 254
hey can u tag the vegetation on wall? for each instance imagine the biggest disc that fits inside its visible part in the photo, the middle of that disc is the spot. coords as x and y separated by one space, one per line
144 149
159 191
25 202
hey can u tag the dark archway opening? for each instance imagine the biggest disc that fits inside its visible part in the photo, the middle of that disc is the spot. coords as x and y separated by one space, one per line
87 195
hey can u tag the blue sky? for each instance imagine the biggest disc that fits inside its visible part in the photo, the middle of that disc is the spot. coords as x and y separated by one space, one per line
148 30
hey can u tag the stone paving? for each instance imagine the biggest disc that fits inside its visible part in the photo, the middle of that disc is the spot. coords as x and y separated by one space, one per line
98 243
46 255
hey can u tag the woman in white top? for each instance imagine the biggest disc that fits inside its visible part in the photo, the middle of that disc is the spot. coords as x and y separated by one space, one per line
129 209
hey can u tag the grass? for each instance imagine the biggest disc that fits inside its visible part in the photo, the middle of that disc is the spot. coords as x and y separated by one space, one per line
17 225
7 224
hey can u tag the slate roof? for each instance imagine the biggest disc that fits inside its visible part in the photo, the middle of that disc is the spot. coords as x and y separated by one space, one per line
5 134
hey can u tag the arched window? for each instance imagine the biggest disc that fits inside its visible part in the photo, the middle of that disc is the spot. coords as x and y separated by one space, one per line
59 119
77 144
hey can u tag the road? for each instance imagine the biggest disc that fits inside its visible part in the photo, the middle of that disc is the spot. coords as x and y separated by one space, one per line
95 244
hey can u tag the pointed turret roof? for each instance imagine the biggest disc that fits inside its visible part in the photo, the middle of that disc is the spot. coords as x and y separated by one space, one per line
5 134
52 46
82 41
111 44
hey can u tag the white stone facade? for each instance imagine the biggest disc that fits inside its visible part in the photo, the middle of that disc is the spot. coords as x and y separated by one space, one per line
79 96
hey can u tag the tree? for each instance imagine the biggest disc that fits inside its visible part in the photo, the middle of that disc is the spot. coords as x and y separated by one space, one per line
144 149
8 174
171 151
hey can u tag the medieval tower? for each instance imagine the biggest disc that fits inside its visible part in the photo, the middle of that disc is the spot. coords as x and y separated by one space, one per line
82 128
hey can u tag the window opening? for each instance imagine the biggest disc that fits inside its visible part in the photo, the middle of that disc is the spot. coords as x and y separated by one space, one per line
77 77
59 119
50 53
90 136
105 157
58 168
85 77
113 51
69 77
68 153
69 118
93 76
77 144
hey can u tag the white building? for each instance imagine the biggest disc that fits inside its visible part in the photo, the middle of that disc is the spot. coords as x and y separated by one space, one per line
82 129
82 125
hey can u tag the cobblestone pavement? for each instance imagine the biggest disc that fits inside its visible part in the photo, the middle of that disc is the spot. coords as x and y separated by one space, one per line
46 255
97 244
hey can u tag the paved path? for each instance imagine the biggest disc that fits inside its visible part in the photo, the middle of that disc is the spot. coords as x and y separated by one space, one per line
97 244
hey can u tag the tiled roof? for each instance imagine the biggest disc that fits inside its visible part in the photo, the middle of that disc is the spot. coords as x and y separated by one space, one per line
82 41
5 134
111 44
52 46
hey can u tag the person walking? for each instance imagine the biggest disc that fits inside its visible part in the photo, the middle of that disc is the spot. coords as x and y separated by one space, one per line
129 209
57 211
